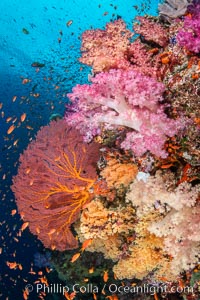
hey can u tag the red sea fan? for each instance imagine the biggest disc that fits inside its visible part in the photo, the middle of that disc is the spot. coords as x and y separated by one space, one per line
53 183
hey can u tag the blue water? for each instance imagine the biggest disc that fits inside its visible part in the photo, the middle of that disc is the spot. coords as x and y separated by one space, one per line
36 31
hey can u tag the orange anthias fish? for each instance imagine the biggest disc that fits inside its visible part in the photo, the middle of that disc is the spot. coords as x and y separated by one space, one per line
12 265
23 117
105 276
75 257
113 297
25 294
24 226
13 212
86 244
10 129
156 296
69 23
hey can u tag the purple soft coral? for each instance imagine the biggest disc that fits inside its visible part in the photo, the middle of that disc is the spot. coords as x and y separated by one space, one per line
123 98
189 36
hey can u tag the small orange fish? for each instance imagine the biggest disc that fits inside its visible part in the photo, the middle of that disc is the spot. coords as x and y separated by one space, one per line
67 295
37 230
15 142
69 23
94 296
29 127
156 296
53 247
14 98
25 294
75 257
1 105
105 276
27 170
51 231
113 297
11 265
86 244
10 129
166 166
44 280
14 120
8 119
154 51
32 272
91 270
40 273
23 117
25 81
24 226
36 95
13 212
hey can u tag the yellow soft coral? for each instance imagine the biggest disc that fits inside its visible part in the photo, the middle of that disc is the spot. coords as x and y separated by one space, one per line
117 173
141 261
107 227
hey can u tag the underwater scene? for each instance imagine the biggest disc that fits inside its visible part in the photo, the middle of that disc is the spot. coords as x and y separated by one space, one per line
100 150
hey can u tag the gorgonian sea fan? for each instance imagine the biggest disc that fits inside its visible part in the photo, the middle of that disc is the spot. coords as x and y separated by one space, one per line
123 98
54 181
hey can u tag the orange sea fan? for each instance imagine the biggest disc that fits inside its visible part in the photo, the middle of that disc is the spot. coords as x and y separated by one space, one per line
54 182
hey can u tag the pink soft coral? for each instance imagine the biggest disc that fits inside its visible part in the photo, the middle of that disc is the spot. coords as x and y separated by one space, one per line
151 31
106 49
123 98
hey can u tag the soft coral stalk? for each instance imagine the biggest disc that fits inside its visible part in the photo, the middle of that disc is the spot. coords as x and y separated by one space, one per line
123 98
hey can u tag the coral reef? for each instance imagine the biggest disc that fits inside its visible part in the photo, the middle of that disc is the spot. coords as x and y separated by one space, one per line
123 166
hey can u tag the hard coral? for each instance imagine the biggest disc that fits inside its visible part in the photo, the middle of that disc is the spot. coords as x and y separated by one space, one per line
53 183
123 98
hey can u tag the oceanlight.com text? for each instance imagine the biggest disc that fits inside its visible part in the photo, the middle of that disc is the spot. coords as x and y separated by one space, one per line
58 288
